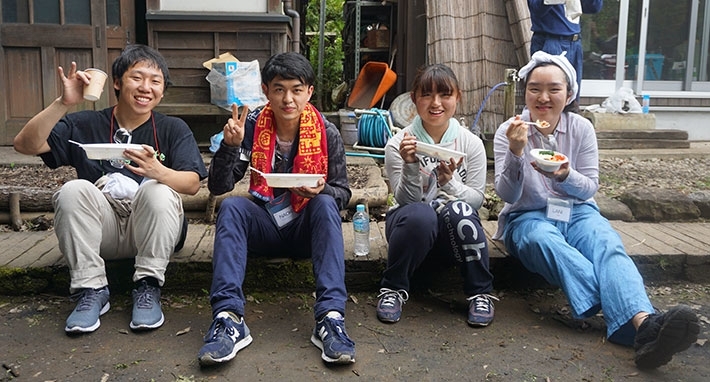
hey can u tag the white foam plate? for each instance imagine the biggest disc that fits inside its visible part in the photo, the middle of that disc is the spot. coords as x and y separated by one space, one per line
107 151
439 152
279 180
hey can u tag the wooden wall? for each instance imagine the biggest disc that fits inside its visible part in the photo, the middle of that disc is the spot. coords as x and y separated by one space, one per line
474 39
186 41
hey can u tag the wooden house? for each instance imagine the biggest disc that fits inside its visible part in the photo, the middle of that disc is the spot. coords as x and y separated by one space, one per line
479 39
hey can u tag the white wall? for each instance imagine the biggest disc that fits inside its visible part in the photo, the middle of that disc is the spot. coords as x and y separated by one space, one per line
695 122
214 5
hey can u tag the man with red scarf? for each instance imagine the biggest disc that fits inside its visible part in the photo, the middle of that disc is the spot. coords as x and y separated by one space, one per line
288 135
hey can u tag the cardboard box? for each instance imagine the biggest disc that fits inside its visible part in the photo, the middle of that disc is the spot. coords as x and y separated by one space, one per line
379 38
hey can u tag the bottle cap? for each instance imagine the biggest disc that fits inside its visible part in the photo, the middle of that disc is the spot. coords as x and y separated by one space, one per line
360 208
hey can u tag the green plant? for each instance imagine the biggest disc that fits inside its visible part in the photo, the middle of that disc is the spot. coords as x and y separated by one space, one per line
333 55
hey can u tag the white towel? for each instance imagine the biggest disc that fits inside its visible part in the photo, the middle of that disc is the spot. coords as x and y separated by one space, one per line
559 60
573 10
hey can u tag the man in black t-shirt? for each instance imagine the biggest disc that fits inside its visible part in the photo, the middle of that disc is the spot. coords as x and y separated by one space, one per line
118 208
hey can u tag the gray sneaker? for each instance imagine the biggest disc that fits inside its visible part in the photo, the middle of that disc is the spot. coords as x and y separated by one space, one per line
91 303
146 308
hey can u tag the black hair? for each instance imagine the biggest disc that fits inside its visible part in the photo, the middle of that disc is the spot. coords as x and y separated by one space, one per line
572 106
436 76
290 66
135 53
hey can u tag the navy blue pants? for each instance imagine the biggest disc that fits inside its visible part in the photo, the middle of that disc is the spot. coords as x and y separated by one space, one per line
415 232
245 227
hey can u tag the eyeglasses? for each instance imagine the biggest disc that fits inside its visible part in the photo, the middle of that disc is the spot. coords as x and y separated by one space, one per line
121 136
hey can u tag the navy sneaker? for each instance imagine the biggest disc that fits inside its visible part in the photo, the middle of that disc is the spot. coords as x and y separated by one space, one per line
480 310
661 335
389 308
146 307
330 337
227 335
91 303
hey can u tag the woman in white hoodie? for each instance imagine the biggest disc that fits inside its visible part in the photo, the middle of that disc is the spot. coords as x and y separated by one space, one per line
437 200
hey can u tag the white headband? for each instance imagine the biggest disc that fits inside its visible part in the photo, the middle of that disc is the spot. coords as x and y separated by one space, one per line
540 57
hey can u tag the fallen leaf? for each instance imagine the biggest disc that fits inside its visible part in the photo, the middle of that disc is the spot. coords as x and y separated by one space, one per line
123 331
701 341
104 377
353 298
184 331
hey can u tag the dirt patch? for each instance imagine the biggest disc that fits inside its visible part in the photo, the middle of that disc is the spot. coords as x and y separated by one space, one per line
531 339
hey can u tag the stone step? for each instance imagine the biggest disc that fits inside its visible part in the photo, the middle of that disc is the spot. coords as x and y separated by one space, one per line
643 139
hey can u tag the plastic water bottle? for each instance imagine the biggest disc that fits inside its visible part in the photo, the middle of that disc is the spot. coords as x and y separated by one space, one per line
646 103
361 229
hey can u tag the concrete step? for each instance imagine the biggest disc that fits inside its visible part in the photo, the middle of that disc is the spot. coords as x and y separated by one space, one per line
643 139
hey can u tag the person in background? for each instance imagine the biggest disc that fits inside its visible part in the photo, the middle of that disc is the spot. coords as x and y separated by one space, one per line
118 209
288 135
437 200
551 223
556 29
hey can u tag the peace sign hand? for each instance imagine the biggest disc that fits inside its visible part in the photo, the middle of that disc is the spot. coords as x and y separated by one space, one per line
234 129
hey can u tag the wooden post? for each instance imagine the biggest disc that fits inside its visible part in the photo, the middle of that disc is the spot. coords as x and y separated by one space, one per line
15 217
209 210
509 93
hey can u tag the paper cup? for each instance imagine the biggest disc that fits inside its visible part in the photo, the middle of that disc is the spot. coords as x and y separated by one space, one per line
92 91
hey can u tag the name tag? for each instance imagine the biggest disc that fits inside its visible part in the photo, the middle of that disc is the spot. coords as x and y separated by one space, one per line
281 210
559 209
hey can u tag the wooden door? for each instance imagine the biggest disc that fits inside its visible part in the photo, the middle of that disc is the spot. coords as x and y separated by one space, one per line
37 36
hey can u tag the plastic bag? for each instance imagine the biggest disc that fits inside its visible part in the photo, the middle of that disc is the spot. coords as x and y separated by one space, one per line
216 141
240 84
622 101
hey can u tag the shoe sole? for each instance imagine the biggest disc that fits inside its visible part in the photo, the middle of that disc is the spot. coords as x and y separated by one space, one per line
342 360
207 360
156 325
677 334
478 324
388 320
89 329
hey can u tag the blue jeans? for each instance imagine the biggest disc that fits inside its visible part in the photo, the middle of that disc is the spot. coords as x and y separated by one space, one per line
415 232
587 260
575 52
243 227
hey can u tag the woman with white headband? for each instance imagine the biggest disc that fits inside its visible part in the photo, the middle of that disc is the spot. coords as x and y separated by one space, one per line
552 224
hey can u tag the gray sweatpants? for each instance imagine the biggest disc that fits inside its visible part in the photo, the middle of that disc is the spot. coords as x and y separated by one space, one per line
89 230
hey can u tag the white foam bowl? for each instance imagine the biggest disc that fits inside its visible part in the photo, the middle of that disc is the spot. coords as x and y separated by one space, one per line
438 152
545 161
107 151
279 180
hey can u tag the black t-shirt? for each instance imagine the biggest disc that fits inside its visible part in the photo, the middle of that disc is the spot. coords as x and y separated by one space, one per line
174 139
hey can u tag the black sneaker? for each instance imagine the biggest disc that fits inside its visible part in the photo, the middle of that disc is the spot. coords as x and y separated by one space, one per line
661 335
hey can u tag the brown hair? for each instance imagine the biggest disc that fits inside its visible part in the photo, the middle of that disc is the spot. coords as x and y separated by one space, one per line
436 76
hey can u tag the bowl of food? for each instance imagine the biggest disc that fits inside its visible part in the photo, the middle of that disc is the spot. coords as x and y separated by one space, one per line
548 160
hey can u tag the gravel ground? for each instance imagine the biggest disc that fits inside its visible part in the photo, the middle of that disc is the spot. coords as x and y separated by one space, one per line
686 175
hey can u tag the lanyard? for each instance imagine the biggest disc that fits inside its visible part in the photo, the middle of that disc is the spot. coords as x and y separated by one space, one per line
155 131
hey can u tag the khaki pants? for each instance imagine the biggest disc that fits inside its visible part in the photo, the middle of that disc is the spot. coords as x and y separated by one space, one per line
89 231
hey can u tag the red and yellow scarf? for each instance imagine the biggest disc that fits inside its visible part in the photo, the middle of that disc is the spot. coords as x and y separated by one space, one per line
311 158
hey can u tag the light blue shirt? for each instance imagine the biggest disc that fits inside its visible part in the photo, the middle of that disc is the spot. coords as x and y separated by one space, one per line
522 188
